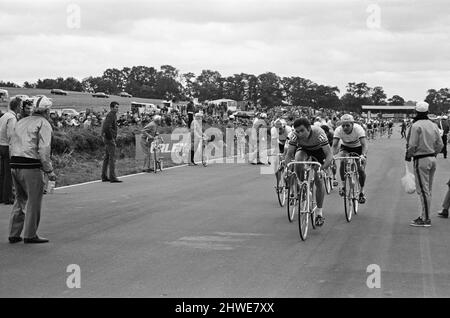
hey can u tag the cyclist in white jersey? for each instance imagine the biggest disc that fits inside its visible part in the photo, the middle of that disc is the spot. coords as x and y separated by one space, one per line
353 139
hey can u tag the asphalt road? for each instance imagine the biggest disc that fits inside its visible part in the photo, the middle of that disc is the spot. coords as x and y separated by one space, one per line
219 232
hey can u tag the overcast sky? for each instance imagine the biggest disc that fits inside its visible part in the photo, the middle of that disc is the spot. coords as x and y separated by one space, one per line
402 45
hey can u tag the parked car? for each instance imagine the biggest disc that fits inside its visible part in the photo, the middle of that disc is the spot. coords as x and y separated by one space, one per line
70 111
125 94
56 111
100 95
58 92
4 96
244 114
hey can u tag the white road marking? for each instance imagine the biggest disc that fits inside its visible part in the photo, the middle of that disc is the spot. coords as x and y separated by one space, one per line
121 177
202 245
239 234
213 242
210 239
129 175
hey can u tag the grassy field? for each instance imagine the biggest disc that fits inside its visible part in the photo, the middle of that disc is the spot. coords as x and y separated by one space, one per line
80 101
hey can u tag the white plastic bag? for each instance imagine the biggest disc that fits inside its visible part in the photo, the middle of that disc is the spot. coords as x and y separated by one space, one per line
408 181
51 186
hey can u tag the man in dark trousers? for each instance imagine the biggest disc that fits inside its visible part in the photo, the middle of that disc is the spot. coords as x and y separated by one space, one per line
109 134
7 123
444 125
190 109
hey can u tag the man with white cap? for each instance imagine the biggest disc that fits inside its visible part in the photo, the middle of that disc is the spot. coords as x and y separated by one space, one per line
30 158
423 143
258 123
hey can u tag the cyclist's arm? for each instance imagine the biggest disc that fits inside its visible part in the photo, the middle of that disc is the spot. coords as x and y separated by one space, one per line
328 156
364 145
335 146
290 154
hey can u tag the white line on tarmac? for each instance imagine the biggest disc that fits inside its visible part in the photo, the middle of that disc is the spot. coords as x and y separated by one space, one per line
129 175
121 177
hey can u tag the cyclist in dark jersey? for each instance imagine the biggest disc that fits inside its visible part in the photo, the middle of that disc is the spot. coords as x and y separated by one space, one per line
310 141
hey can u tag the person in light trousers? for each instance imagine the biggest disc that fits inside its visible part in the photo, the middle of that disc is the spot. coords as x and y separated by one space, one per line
30 159
424 142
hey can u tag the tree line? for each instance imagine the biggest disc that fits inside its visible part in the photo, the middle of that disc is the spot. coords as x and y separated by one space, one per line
267 89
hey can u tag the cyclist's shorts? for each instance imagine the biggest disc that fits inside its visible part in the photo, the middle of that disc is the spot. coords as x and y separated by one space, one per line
318 154
281 148
357 150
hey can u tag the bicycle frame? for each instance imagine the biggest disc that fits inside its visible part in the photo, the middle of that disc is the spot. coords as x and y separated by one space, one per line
280 175
308 182
156 148
351 173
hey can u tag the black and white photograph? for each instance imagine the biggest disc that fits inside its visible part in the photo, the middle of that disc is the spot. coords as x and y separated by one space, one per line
224 155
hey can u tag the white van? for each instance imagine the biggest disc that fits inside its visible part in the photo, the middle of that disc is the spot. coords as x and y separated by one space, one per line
4 96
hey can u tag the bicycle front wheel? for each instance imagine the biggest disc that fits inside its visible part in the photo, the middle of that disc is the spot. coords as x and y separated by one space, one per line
347 198
292 197
303 211
281 188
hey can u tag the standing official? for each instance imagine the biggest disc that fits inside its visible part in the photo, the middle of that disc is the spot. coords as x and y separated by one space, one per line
423 143
109 134
30 157
196 136
7 123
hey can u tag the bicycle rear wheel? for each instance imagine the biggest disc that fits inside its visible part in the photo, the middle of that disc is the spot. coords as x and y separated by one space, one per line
292 197
347 198
204 158
304 211
281 188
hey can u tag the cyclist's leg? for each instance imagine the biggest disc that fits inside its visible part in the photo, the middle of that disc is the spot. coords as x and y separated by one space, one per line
318 156
362 174
320 189
343 153
300 156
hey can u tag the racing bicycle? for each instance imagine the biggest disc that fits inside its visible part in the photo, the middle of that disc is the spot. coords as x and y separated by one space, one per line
352 188
302 195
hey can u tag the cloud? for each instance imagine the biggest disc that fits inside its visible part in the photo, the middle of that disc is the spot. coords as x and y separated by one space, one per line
327 41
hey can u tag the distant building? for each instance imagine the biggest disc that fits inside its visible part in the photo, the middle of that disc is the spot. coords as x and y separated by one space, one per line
378 111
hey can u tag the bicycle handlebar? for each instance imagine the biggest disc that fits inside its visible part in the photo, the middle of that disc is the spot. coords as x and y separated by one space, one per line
312 163
346 158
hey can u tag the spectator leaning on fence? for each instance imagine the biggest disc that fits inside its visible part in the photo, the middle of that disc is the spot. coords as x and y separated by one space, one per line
7 123
149 133
30 158
423 143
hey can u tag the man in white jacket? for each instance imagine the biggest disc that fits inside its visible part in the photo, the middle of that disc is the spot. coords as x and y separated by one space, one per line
30 158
